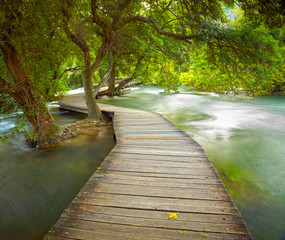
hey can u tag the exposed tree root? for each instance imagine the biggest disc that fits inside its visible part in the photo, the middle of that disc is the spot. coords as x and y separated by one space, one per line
86 127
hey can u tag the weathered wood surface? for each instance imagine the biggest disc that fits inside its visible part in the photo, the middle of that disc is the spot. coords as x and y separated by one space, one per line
154 169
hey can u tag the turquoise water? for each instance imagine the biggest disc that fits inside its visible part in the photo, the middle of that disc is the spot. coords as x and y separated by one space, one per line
245 140
37 185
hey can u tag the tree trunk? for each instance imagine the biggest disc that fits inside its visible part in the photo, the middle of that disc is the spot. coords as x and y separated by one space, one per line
94 111
111 83
101 73
35 110
102 82
27 97
122 84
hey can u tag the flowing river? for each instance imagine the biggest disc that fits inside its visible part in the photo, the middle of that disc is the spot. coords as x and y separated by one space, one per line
245 140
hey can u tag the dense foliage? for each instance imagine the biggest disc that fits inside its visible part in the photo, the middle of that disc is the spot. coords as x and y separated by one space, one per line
222 46
260 72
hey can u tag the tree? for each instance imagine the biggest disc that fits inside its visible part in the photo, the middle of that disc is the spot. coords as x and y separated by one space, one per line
34 50
29 59
271 12
261 73
191 22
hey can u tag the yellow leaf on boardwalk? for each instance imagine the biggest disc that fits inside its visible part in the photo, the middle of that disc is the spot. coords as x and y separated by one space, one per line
172 215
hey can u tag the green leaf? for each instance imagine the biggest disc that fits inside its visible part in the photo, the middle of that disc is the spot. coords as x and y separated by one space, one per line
4 138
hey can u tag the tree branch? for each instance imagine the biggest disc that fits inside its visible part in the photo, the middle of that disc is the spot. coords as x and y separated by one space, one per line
158 29
117 17
95 16
101 53
80 42
123 5
70 70
77 40
172 20
164 8
129 79
104 79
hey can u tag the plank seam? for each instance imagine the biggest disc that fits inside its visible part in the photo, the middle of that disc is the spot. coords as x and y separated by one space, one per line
152 227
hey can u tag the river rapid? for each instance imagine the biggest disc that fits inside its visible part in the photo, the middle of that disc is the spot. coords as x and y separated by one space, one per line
244 138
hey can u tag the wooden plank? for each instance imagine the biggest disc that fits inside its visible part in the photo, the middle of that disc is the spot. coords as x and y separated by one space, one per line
69 232
155 168
170 204
139 190
164 141
163 175
161 184
156 180
126 155
135 232
137 117
160 152
152 214
156 223
158 169
142 123
147 132
192 161
154 142
176 149
155 163
143 127
197 166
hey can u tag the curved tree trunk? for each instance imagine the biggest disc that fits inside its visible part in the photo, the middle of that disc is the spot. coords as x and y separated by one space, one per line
111 83
94 111
23 91
103 80
122 84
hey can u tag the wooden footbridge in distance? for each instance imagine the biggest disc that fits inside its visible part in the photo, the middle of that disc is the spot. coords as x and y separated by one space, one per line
157 183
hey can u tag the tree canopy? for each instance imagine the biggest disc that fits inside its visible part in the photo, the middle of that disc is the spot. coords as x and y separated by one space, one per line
223 46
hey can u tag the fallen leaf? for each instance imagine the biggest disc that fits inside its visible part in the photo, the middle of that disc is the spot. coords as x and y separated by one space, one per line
172 215
179 231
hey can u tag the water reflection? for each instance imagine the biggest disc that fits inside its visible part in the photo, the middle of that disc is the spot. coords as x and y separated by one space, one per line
244 138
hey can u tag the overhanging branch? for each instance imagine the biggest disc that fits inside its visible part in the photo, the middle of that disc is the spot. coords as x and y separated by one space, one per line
95 16
81 44
117 17
77 40
158 29
101 53
70 70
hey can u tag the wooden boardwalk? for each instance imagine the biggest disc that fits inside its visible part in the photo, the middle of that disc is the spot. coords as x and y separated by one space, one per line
154 169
